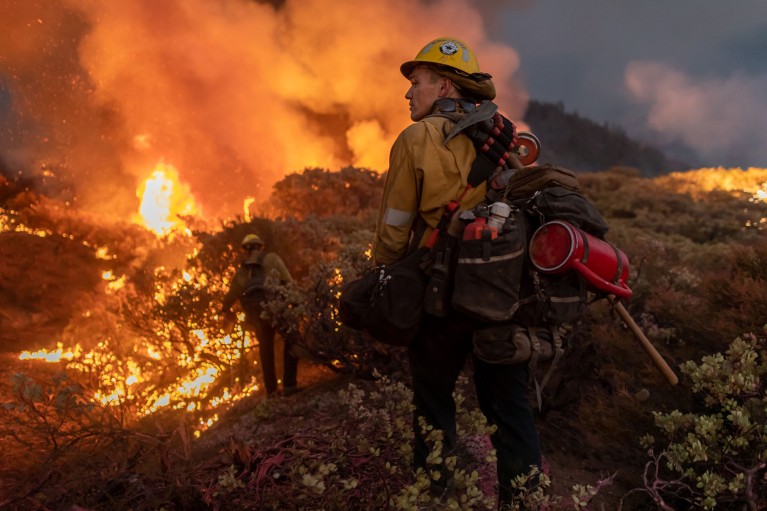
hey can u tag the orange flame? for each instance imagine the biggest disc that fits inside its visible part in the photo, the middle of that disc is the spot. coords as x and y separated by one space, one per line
256 89
52 356
164 199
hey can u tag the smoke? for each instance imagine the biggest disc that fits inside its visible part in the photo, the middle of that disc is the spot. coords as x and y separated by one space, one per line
723 119
233 93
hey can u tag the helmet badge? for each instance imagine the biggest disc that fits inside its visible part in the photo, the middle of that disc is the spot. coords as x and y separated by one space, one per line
452 47
448 48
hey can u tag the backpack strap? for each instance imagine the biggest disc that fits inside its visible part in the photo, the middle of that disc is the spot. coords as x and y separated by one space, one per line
535 351
493 136
417 231
477 175
250 265
559 351
447 213
540 297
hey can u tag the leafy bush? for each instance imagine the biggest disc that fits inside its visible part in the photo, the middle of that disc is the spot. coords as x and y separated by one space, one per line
716 455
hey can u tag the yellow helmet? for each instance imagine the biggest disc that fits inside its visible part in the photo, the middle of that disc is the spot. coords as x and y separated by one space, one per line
445 51
251 240
456 60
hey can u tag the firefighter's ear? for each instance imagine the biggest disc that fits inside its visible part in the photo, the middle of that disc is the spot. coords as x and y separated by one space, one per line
447 88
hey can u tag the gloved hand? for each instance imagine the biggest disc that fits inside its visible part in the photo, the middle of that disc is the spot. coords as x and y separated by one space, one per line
501 137
494 140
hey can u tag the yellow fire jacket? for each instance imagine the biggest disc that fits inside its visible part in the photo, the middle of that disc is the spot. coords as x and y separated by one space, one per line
424 175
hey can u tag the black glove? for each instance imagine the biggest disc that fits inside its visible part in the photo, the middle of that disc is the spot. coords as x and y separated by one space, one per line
497 138
494 139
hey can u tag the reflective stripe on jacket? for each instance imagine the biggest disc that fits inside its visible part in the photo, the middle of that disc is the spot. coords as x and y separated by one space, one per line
424 175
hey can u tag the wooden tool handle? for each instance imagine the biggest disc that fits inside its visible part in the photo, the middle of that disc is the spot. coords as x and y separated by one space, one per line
661 364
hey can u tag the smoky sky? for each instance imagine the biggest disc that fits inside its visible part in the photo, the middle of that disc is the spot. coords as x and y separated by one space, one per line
233 94
237 93
637 64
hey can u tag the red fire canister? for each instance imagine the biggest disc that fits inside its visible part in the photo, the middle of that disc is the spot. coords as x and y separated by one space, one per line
557 247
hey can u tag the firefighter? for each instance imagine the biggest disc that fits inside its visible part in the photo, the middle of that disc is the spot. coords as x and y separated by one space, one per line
424 175
248 286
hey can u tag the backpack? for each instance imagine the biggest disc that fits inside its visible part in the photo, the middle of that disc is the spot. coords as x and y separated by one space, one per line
254 290
525 182
494 279
523 316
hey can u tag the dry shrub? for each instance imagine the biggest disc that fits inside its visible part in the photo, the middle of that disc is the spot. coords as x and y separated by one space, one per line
737 292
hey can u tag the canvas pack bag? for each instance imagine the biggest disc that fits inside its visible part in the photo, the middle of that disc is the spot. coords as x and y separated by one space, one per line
513 344
523 183
488 273
561 203
386 302
527 322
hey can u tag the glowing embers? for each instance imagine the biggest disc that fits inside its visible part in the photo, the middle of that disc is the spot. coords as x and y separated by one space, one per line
133 380
114 283
197 373
10 223
52 356
164 201
761 194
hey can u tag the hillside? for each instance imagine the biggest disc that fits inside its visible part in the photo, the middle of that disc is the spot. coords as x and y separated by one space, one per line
583 145
133 330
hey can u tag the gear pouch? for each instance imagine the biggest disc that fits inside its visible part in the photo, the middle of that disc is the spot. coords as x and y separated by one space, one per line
511 344
488 275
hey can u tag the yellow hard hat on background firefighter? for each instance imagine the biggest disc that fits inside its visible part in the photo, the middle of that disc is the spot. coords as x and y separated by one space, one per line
251 240
455 60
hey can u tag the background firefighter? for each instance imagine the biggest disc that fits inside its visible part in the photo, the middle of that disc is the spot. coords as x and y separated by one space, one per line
425 174
248 286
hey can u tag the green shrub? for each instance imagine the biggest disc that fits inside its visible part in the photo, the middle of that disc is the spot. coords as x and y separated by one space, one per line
715 456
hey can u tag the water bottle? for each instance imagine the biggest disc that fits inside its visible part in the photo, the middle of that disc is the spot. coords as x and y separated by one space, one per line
499 213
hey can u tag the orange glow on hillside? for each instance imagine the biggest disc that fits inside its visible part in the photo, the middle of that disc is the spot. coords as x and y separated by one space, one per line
751 181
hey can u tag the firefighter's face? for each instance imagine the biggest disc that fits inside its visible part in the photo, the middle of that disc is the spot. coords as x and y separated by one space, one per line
426 87
253 249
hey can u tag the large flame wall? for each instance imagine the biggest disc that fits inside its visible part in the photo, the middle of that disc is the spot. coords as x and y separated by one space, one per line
232 93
